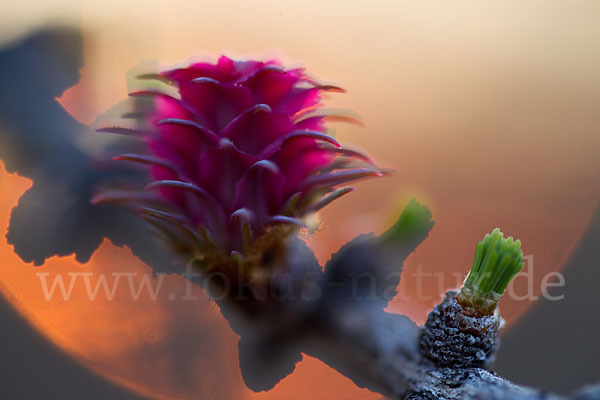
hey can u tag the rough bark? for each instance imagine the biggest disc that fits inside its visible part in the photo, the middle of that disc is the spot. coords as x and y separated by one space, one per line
344 324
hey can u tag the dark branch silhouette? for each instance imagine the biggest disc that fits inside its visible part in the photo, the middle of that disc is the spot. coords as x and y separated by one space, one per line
38 141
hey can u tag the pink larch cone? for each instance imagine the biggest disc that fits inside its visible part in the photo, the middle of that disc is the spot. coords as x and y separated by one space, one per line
238 159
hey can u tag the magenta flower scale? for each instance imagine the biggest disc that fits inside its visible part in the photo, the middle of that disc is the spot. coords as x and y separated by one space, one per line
237 159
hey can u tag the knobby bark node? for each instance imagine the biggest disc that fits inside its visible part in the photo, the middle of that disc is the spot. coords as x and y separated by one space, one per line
455 337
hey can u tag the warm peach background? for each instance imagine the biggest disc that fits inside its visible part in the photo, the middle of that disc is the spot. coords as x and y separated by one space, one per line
488 110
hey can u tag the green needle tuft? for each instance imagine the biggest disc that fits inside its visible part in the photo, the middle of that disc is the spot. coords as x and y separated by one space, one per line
411 228
497 260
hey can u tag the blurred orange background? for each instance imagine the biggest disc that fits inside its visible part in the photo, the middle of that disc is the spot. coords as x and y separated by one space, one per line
487 110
